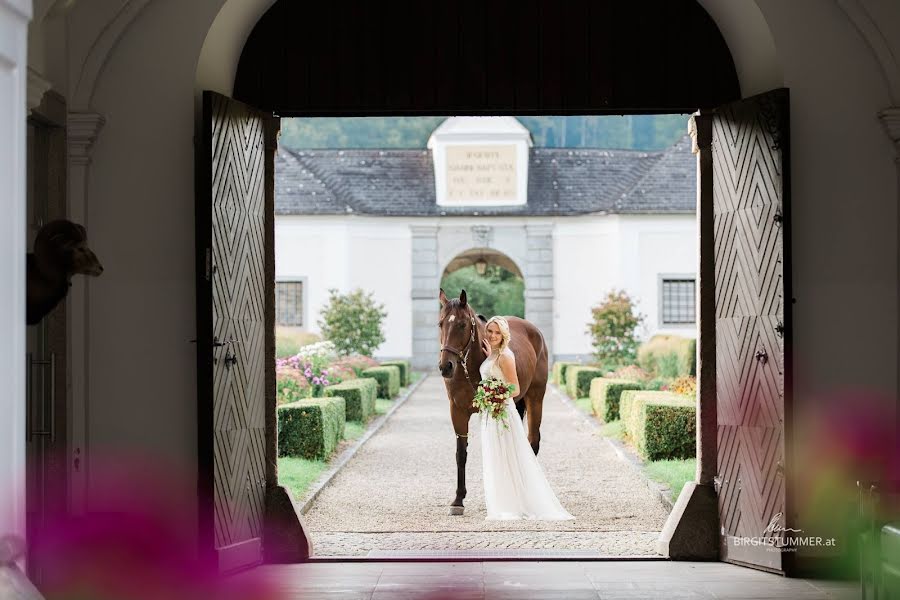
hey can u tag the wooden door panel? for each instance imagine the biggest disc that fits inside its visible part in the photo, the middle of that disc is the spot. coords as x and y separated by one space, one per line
749 140
232 223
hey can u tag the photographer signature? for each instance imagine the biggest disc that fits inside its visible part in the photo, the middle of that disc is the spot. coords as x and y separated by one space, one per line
773 526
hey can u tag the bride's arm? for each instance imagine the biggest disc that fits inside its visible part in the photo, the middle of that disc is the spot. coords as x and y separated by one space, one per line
508 367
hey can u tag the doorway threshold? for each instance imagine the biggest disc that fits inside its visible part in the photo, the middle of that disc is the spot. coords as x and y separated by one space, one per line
484 556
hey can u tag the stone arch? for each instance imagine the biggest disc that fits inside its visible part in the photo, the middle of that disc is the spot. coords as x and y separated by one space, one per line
528 248
490 255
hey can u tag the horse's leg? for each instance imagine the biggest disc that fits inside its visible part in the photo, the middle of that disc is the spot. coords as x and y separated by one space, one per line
534 400
460 420
520 408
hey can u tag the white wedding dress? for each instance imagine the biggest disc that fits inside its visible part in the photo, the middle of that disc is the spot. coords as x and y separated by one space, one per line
514 483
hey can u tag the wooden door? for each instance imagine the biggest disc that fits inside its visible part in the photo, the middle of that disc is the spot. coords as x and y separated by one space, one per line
235 312
753 329
47 422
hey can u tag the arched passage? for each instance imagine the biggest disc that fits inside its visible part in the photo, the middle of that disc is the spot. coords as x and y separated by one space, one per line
492 280
535 67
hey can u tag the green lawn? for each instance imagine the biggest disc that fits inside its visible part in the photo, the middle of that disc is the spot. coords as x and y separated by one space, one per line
382 405
354 429
673 473
584 404
614 429
297 474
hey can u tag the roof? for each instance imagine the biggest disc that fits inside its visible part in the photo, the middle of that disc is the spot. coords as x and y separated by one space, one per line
561 181
464 128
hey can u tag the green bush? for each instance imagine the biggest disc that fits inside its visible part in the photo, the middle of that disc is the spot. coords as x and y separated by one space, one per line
556 373
403 365
289 340
661 425
564 369
311 428
605 395
496 292
388 379
578 380
613 328
668 356
352 322
359 397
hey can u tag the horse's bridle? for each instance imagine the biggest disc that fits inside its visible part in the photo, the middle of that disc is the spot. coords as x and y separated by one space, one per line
462 355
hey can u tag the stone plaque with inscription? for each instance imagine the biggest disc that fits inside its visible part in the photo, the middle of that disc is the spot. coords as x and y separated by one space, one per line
482 174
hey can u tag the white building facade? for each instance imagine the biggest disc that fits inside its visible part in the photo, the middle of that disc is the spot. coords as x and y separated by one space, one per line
574 223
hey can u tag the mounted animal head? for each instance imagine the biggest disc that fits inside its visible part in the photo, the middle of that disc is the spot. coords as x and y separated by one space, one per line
61 248
459 334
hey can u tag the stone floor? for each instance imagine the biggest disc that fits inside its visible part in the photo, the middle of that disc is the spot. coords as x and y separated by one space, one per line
394 493
534 580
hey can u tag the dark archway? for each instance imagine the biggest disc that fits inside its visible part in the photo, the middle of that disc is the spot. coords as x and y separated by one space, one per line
497 57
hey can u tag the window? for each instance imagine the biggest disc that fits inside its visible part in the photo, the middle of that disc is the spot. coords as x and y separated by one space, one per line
678 301
289 303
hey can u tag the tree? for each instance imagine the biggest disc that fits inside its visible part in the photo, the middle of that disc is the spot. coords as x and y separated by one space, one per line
352 322
613 330
497 292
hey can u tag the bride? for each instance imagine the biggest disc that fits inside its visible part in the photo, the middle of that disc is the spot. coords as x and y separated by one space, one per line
514 483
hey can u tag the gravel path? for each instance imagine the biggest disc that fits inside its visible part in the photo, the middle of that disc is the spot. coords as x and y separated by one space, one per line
403 479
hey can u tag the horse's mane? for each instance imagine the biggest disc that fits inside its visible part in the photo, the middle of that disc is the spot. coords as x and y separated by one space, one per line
454 304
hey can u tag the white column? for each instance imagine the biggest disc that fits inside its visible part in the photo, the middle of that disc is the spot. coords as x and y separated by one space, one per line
14 18
425 288
539 296
81 133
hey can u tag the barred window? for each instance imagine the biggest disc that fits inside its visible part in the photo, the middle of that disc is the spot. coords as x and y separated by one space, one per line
678 301
289 303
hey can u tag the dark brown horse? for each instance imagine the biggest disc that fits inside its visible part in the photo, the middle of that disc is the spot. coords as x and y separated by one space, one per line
459 362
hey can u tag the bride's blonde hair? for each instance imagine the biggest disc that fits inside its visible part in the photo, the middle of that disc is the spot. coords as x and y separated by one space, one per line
503 326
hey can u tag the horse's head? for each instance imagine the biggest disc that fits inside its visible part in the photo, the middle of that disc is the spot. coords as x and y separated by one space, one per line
458 333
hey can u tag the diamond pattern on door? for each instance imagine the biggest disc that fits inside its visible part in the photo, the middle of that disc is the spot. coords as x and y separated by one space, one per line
232 222
748 162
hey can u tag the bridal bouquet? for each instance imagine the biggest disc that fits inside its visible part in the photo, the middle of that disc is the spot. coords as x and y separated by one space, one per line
490 397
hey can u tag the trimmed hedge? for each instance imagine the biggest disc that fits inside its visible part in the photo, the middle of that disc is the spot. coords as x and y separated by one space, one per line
605 395
311 428
578 380
668 356
388 379
403 365
558 368
563 371
359 396
662 425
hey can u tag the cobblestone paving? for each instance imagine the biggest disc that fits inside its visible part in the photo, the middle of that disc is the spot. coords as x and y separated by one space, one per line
395 492
609 543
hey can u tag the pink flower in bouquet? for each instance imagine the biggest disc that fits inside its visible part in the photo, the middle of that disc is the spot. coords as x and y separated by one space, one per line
491 397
